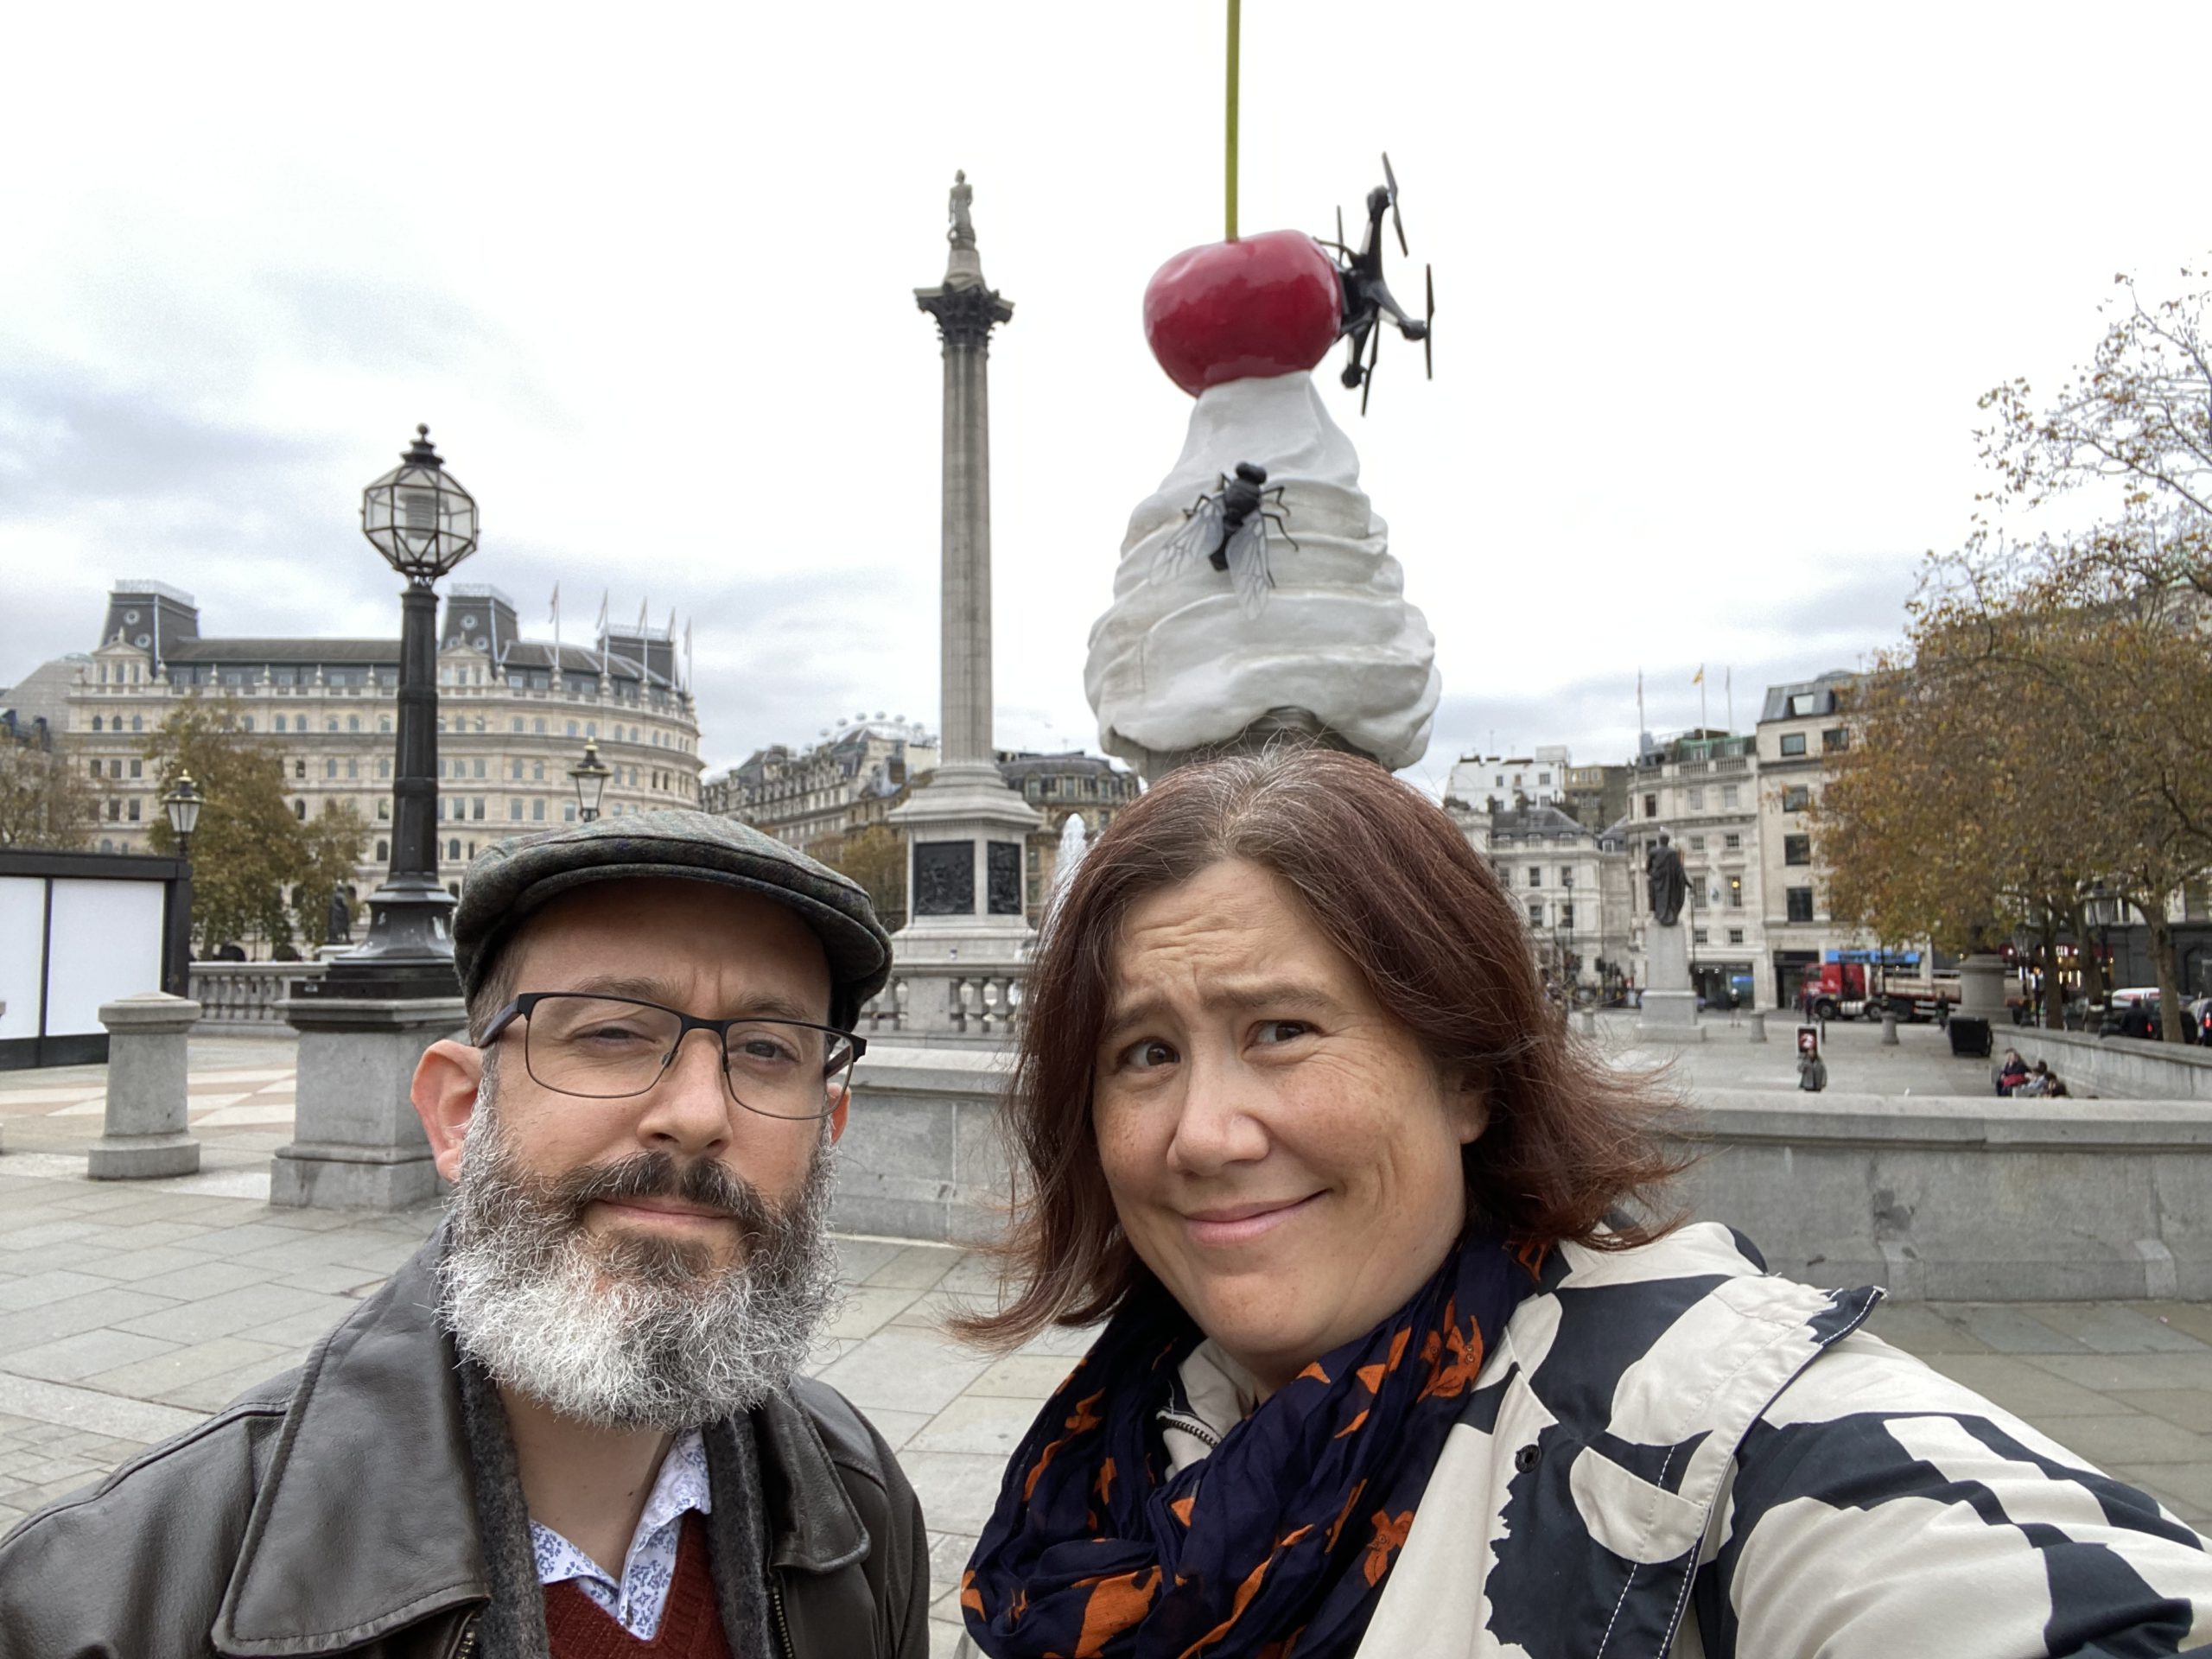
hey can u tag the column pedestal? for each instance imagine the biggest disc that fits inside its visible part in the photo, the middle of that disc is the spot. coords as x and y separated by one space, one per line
1669 1005
360 1144
147 1130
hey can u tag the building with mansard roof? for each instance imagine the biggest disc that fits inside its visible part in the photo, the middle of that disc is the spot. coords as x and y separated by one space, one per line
513 716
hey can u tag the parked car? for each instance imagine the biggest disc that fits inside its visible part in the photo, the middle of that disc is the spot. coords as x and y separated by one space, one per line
2131 1012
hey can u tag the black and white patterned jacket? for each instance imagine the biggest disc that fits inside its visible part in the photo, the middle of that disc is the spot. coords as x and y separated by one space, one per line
1670 1453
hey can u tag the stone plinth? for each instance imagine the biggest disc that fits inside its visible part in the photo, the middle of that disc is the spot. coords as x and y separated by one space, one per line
1982 989
1670 1013
360 1144
921 1156
966 834
146 1127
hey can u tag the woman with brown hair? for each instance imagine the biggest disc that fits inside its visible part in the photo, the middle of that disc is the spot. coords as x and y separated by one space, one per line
1396 1359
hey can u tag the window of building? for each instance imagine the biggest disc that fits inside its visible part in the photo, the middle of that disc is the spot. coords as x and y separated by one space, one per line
1800 900
1796 799
1535 913
480 765
384 808
1731 843
1793 742
331 724
517 722
1697 800
1543 778
567 811
353 723
1565 876
538 811
384 722
353 768
106 845
1735 892
247 724
1566 914
330 767
1697 844
1728 797
1651 806
476 807
299 768
1796 849
280 722
537 772
1735 936
1698 936
96 765
1835 739
1536 875
541 726
514 810
130 809
300 810
383 851
453 852
572 728
96 727
384 766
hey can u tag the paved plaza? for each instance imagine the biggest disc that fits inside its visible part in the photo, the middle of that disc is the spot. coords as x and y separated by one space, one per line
129 1310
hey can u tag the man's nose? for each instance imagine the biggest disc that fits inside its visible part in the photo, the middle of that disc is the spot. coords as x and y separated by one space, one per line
688 1109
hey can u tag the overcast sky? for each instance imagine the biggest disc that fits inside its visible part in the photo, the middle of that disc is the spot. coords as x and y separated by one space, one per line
1718 286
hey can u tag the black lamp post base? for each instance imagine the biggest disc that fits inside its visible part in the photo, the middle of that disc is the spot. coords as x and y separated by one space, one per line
408 953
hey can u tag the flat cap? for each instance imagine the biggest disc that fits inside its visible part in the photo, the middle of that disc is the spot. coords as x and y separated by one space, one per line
513 878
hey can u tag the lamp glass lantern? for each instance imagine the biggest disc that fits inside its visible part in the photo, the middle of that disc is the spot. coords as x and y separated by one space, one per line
182 803
590 775
418 515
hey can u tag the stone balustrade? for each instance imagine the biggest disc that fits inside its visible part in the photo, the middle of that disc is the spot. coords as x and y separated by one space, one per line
241 994
945 1002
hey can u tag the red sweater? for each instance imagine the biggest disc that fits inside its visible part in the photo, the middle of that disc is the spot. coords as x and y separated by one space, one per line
691 1626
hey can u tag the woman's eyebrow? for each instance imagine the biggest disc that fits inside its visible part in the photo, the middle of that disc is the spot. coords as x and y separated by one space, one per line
1247 997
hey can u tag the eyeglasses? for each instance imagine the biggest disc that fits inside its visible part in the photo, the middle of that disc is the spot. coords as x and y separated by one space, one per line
611 1047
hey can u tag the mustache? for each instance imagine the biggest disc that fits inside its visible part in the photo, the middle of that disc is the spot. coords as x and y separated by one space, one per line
700 1182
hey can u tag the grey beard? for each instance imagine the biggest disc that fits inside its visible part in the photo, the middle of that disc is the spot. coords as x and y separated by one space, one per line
628 1331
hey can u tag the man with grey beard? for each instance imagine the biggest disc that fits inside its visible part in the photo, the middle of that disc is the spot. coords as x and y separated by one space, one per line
573 1425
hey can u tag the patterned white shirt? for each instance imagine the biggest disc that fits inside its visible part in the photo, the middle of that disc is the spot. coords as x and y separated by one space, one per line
638 1601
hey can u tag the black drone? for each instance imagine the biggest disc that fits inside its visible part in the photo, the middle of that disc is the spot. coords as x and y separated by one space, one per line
1230 528
1368 299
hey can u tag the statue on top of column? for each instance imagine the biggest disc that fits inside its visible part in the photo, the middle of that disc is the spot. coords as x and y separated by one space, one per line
962 233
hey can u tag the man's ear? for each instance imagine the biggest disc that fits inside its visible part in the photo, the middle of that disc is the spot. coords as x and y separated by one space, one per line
838 1113
444 1093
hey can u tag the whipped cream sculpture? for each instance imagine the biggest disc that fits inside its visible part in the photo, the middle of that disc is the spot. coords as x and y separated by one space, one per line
1256 595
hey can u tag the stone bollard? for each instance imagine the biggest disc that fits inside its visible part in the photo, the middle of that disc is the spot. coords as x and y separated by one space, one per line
1758 1026
146 1125
1889 1031
1587 1022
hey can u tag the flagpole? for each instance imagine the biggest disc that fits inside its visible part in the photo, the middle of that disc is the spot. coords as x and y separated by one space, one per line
1728 684
560 676
1641 727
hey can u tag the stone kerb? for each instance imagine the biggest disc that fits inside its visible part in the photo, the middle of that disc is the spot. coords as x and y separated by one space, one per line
2128 1067
146 1127
1963 1197
921 1156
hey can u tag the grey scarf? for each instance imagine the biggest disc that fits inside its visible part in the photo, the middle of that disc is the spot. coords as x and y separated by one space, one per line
513 1626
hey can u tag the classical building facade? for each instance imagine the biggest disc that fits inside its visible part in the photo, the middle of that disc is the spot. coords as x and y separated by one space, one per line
1062 786
1701 789
1802 726
842 784
1560 874
513 716
1500 782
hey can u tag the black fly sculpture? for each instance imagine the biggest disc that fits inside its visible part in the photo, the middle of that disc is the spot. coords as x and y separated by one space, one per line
1368 299
1230 527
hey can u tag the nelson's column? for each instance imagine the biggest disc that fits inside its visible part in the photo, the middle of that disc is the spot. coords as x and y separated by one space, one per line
964 828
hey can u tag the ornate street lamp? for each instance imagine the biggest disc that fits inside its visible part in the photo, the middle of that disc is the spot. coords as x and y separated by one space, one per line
424 524
590 775
182 803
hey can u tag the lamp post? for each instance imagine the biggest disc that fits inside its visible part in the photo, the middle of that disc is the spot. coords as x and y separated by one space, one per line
418 517
590 775
182 803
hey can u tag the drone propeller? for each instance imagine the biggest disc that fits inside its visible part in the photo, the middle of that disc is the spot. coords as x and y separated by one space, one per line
1397 223
1374 356
1429 332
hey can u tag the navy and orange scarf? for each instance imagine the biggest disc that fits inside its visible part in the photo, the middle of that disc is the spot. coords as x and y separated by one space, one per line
1276 1545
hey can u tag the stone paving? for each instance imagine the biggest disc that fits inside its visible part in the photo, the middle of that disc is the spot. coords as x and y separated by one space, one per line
128 1309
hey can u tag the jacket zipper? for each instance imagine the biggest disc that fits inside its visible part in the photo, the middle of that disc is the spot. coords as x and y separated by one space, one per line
783 1624
467 1639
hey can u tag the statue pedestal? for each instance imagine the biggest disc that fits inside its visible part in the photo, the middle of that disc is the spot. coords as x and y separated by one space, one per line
967 835
1669 1005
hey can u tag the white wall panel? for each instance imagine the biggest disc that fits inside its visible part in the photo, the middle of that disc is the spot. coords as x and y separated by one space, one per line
23 928
107 944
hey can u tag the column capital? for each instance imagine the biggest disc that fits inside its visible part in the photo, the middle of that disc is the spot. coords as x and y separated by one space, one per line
965 314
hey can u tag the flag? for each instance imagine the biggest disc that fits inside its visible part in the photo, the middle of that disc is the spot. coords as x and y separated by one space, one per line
642 624
556 604
1698 678
604 595
556 628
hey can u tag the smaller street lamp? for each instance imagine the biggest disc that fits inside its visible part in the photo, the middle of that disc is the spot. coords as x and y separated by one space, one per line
590 775
182 803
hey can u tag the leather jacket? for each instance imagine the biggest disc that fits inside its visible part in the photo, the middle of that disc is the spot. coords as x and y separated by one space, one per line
329 1512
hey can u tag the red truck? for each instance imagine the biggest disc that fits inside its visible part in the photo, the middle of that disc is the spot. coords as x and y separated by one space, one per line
1840 991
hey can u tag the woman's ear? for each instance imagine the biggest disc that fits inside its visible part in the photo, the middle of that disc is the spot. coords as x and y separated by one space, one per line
1468 1103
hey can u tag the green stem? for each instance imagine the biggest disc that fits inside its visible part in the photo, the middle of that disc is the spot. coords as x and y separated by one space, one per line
1230 152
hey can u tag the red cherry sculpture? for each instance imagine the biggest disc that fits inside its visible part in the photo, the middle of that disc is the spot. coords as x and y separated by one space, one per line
1263 305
